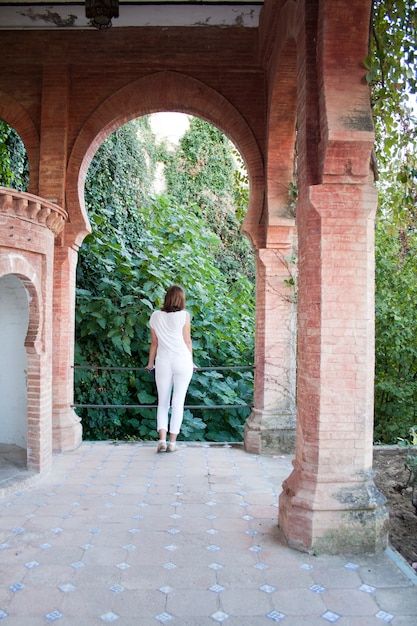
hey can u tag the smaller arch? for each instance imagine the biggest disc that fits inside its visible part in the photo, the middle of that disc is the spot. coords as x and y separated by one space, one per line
16 116
163 91
16 264
38 406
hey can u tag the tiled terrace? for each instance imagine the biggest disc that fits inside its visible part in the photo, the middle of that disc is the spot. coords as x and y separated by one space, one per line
117 533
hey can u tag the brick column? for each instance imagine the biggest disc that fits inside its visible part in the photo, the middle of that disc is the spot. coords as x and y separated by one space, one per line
54 133
329 503
271 426
66 427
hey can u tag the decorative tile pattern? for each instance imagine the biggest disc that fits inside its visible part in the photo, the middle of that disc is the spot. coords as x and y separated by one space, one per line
53 616
109 617
276 616
330 616
216 566
385 617
351 566
119 480
219 616
163 617
213 548
67 587
261 566
171 547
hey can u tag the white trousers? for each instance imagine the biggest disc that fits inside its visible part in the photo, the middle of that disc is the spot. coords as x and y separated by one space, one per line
173 373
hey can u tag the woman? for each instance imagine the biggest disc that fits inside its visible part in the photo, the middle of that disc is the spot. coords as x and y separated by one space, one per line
171 355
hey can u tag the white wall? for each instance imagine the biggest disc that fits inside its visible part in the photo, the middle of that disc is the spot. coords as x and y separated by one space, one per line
14 320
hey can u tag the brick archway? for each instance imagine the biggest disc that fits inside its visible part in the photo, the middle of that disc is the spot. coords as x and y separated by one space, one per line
163 91
38 419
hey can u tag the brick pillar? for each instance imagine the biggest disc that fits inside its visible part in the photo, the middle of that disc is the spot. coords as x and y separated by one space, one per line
329 503
66 429
39 438
271 426
54 133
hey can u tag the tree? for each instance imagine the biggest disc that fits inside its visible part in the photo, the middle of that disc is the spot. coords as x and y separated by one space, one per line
396 338
206 173
393 79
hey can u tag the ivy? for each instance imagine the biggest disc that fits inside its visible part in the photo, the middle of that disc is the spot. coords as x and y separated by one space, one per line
396 340
14 166
207 174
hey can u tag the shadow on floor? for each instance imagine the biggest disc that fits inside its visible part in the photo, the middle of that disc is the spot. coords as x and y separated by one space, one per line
13 468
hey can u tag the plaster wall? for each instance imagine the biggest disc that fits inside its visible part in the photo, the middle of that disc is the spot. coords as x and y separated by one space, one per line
14 320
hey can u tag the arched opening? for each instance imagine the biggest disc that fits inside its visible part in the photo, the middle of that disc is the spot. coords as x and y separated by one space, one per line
26 170
115 306
14 321
161 91
14 165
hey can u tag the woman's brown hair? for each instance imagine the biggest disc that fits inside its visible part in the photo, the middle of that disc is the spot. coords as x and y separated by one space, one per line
174 299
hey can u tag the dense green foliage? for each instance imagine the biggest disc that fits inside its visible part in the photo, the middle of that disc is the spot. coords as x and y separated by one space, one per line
205 174
151 243
14 166
393 79
396 338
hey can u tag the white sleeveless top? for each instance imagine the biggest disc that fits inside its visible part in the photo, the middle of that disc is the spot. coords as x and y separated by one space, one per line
169 330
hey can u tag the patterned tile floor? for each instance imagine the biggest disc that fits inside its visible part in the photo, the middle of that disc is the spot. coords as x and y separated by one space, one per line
117 533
